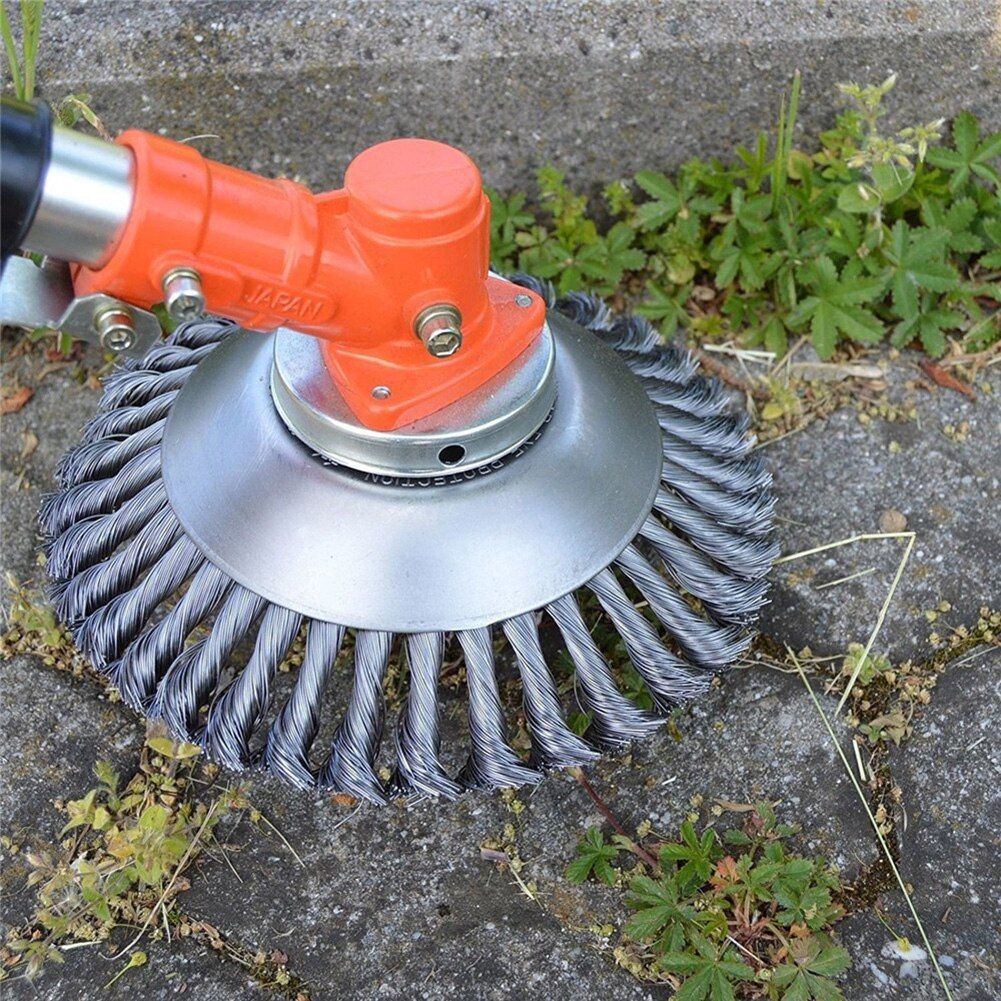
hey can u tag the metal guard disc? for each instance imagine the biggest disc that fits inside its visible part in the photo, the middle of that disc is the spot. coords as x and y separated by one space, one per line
434 555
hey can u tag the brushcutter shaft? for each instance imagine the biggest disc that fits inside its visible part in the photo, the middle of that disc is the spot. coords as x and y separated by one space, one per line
65 194
86 199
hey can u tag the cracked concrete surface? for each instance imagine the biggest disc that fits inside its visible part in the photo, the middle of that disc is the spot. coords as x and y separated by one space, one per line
397 903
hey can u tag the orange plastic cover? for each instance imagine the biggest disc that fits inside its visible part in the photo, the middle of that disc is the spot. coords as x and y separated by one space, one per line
409 229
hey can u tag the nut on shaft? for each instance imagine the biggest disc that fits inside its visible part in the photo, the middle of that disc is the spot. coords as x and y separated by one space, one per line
440 329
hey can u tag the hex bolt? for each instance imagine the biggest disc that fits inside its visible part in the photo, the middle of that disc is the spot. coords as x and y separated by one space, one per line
183 295
116 328
440 328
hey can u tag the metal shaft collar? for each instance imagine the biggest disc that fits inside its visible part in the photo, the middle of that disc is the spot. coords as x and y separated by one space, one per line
475 431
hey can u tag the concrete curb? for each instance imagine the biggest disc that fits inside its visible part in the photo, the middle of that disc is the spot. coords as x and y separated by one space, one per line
599 88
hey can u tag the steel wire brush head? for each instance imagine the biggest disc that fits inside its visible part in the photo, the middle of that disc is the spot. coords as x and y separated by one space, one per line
433 459
164 623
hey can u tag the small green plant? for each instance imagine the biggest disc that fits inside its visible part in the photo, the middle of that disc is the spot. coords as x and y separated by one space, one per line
726 915
593 858
73 108
885 697
121 863
873 236
31 627
876 665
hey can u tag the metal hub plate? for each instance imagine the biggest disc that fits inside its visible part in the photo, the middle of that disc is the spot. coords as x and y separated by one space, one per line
481 427
451 552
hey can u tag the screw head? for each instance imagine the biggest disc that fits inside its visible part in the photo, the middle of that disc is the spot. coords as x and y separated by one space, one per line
523 300
115 328
444 343
381 393
183 295
440 328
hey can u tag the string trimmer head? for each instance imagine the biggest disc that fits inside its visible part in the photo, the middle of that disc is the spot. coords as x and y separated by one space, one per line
397 452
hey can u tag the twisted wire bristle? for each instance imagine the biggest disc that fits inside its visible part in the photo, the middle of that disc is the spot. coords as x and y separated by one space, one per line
191 679
417 738
286 752
139 670
235 714
350 768
186 644
616 720
492 762
554 745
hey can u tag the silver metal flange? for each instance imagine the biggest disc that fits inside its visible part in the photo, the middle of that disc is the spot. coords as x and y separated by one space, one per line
42 296
454 551
483 426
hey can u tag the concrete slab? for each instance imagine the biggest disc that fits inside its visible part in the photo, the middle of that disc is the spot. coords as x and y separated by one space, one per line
55 727
398 902
59 408
182 970
835 479
950 773
879 973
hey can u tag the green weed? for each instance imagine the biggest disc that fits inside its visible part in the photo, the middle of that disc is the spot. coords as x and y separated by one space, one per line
873 236
31 627
21 65
886 698
69 112
121 863
121 867
725 915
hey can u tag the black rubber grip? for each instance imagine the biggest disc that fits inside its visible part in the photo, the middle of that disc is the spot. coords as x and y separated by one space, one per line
25 149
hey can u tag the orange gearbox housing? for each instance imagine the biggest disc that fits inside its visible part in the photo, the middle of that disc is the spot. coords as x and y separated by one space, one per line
354 267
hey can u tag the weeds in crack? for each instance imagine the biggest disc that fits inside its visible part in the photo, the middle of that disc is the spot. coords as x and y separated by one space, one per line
123 862
32 629
878 828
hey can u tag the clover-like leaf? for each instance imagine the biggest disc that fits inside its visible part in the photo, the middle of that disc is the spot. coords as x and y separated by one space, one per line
929 326
593 856
970 155
836 307
695 854
917 261
709 971
660 911
807 974
665 199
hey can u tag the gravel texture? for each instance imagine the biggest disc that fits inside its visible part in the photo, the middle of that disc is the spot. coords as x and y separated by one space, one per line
839 480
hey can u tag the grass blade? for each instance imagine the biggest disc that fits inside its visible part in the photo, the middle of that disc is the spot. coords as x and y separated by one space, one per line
783 142
872 820
31 23
881 618
10 50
